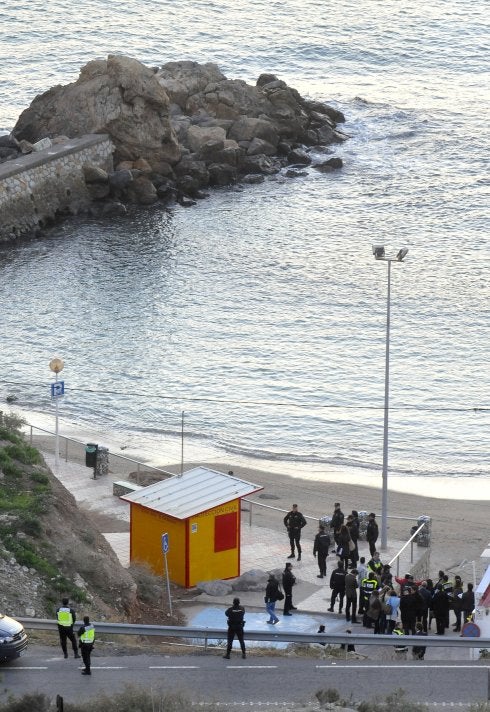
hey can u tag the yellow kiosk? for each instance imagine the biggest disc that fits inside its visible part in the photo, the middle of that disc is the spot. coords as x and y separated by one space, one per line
200 512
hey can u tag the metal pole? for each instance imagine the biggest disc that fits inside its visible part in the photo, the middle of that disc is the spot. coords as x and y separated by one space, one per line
182 447
384 502
168 584
56 447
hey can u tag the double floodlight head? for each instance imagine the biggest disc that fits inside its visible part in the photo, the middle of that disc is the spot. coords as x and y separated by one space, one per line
401 254
380 254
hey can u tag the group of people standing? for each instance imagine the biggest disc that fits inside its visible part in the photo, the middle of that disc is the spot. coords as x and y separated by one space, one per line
387 604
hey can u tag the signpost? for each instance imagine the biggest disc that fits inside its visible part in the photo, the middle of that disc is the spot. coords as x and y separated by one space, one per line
165 548
57 390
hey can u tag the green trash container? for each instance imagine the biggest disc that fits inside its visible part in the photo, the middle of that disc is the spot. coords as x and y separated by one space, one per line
91 454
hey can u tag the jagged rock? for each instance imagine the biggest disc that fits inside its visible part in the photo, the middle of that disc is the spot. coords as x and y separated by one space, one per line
222 174
259 164
215 588
142 191
94 174
254 580
142 165
330 165
258 146
42 144
294 173
298 155
121 179
118 96
252 178
98 191
114 208
198 136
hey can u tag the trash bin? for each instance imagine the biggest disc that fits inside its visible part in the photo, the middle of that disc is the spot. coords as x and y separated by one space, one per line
91 454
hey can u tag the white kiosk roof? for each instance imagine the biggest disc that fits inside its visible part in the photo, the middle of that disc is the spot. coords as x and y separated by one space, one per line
195 491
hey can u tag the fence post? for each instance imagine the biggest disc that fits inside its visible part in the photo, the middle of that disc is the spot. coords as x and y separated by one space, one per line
30 437
250 514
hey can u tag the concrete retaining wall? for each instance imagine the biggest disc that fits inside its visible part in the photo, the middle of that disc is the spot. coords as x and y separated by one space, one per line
37 187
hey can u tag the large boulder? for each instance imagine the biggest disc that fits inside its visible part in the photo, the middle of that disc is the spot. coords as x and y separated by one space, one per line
118 96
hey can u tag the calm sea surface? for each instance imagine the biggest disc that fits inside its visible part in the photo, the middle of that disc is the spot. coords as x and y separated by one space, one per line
261 311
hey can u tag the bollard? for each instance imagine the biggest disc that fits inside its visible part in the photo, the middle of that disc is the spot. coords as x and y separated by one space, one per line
363 521
102 462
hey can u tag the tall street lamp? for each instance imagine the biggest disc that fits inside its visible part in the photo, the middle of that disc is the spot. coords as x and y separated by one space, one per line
379 254
57 390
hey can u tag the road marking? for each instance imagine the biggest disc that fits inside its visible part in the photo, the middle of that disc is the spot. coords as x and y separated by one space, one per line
174 667
108 667
252 667
404 667
25 667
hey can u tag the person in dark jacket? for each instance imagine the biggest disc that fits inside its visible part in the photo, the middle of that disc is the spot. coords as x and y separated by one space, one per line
271 596
321 546
352 524
288 581
372 533
336 521
468 603
294 522
337 584
235 615
343 549
425 604
351 586
440 608
457 602
66 618
86 636
409 609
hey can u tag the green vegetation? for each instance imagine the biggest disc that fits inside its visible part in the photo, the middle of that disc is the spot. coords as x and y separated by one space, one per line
24 499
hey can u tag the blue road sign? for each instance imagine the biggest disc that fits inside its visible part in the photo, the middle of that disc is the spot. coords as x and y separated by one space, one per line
57 389
165 543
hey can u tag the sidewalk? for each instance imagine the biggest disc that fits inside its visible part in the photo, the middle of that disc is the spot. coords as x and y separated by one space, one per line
262 549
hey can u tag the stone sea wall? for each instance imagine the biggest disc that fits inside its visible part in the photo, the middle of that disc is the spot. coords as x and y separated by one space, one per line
38 187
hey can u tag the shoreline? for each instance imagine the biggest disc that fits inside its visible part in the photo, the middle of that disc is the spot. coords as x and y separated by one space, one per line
166 452
460 525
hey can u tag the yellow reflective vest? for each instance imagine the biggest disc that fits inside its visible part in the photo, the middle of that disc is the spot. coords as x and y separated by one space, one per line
64 617
88 635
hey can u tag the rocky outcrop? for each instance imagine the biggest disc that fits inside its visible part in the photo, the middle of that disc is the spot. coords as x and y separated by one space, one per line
180 128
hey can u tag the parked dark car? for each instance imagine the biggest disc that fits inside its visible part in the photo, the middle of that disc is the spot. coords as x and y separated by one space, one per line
13 638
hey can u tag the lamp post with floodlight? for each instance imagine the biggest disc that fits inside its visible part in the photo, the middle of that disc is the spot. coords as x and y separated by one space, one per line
380 254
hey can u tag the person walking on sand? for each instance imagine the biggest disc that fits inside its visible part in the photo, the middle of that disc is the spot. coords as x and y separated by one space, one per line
321 546
235 617
272 594
294 523
288 581
66 618
86 635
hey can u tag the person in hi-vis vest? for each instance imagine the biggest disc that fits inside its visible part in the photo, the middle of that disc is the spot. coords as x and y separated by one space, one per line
86 635
66 618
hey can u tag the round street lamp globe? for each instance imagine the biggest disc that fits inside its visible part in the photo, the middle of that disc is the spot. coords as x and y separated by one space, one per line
56 365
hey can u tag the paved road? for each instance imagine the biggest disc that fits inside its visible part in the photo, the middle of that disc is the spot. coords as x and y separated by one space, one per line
264 680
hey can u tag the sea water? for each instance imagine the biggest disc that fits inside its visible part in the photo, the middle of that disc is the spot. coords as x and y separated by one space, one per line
260 313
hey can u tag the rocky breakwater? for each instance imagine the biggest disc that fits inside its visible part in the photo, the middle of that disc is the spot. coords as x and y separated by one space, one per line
181 128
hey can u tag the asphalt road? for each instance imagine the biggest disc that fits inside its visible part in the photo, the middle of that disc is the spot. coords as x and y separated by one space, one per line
256 680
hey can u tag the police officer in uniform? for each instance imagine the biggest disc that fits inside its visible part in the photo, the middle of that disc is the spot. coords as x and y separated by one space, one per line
235 615
66 618
294 521
320 549
86 635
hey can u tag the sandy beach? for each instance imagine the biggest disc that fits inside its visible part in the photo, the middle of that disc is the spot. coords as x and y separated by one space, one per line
459 507
460 528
